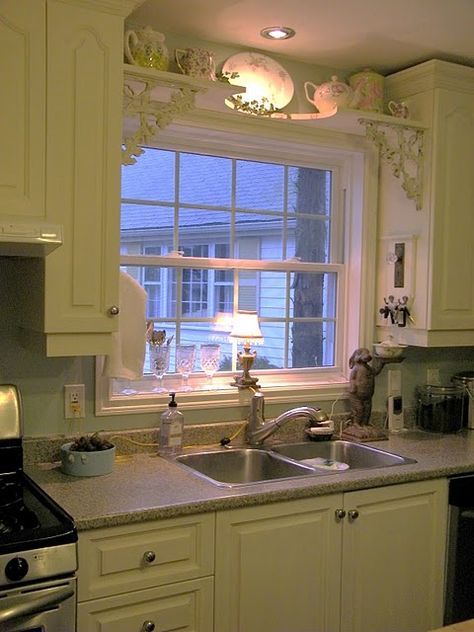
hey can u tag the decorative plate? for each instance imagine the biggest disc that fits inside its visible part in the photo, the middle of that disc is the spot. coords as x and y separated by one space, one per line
262 77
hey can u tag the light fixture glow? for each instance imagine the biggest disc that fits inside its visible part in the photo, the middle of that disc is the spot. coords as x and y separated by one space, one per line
277 32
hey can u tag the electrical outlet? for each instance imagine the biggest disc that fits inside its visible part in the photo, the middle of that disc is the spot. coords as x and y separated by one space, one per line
74 401
432 376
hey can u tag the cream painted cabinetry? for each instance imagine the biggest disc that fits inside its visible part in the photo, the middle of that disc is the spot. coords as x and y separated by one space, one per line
22 110
70 145
154 574
440 94
297 566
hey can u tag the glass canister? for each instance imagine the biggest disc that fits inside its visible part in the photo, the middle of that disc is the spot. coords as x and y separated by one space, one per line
439 408
465 380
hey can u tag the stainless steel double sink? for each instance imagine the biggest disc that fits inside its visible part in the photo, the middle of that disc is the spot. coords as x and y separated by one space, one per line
246 466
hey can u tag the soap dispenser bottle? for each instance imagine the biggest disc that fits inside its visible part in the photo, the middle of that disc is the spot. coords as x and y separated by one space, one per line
171 429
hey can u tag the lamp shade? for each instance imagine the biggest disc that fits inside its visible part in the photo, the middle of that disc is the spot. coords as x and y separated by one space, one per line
246 326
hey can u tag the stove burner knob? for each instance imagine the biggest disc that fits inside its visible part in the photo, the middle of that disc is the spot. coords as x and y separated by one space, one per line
16 568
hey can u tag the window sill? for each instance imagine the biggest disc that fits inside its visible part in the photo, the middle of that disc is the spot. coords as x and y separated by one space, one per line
303 389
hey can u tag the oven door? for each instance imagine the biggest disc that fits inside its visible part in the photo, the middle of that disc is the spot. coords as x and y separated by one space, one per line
41 607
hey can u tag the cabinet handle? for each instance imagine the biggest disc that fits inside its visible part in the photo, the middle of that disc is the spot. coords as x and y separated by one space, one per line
148 626
340 514
353 514
149 557
114 310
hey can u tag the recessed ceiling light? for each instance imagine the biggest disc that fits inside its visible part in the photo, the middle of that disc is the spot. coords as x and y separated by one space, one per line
277 32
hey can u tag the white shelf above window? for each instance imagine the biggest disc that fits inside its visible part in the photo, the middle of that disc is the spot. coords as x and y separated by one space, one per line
153 99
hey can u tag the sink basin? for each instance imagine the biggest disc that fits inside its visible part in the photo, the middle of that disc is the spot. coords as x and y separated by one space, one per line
243 466
355 455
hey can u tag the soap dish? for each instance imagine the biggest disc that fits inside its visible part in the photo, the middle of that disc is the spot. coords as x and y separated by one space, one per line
322 431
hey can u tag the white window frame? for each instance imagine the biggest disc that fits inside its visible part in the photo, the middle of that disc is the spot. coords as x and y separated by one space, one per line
356 162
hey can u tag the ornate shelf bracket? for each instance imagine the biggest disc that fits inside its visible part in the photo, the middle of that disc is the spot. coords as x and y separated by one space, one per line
152 115
401 147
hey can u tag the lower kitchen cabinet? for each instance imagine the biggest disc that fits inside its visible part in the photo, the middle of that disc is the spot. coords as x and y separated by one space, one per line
186 606
393 556
370 560
158 573
278 567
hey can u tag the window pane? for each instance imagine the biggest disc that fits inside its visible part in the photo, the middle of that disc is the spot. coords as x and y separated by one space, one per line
205 180
157 221
309 190
308 239
152 177
258 236
214 224
313 295
260 186
271 353
311 344
272 303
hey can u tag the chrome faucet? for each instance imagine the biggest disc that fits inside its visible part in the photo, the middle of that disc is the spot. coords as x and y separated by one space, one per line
258 429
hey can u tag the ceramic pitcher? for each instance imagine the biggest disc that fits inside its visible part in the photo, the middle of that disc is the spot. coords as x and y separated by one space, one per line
146 47
196 62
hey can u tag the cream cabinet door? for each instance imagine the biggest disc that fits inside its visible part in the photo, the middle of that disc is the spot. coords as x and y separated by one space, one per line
186 606
393 558
452 298
278 567
22 110
84 93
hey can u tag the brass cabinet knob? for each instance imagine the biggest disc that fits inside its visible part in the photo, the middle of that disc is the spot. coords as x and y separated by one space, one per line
353 514
149 557
148 626
114 310
340 514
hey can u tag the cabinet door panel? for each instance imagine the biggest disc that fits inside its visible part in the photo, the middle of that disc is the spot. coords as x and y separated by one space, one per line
186 606
83 167
393 558
22 109
453 260
277 568
112 560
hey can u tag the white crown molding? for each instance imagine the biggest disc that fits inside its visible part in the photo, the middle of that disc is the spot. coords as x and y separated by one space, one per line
429 76
116 7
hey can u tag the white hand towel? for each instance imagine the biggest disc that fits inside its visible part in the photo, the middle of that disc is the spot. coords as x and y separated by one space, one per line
128 353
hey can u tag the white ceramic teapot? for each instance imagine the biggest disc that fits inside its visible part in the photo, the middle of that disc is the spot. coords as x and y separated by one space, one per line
146 47
329 94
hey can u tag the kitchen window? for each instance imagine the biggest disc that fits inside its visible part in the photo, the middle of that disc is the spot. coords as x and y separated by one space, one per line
211 231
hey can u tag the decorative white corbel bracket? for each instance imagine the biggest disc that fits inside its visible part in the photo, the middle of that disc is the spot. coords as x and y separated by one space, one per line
401 146
152 115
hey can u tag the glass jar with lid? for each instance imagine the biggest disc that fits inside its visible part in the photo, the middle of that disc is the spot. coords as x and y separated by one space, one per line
439 408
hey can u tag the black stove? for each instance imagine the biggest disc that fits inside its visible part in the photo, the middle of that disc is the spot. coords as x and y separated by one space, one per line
37 537
29 518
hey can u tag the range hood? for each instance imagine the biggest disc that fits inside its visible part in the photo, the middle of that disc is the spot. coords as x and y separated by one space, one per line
29 239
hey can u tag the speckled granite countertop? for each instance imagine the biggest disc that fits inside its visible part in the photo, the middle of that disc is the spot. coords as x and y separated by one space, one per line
147 487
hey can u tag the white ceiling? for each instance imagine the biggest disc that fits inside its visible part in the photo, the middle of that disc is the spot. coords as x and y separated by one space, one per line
386 35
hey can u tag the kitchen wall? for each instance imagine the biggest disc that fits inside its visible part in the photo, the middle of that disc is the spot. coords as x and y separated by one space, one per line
41 380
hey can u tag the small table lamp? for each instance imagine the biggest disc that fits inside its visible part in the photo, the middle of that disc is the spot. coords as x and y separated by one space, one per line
246 328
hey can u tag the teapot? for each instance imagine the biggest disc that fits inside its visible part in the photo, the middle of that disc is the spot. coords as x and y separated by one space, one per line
330 94
146 47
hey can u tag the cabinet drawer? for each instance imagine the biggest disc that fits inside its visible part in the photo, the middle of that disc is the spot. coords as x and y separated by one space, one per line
187 607
122 559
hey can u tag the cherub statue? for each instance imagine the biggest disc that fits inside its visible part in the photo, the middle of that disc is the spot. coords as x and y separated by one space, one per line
361 390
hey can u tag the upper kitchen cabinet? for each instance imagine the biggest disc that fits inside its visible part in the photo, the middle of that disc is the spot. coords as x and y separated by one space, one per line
72 295
22 110
436 269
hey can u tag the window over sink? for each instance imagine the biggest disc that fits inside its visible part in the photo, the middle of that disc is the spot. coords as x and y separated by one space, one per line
253 224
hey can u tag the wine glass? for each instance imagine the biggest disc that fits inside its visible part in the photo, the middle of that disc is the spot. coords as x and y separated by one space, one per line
160 363
185 355
210 359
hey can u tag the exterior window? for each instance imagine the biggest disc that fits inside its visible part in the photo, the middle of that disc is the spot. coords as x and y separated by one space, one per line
208 235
